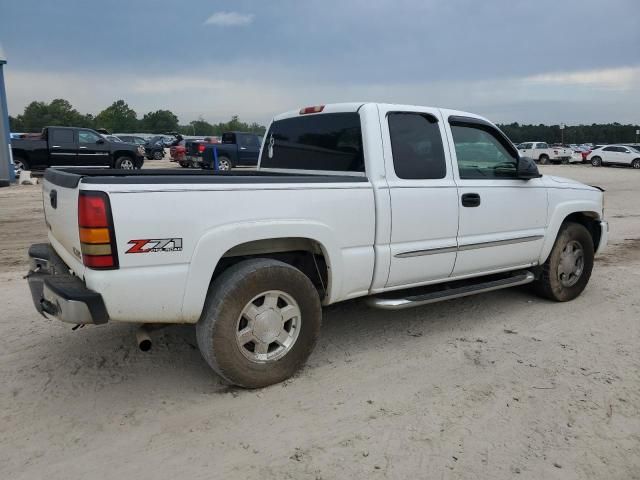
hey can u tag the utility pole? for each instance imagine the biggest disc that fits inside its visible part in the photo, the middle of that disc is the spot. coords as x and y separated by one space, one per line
7 173
562 134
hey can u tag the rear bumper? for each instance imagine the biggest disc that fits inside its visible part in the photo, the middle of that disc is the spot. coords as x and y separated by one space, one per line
58 293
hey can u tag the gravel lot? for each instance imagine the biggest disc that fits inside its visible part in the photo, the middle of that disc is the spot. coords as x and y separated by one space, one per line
499 386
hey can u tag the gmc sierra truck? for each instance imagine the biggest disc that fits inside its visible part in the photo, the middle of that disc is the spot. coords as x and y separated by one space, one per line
404 205
74 147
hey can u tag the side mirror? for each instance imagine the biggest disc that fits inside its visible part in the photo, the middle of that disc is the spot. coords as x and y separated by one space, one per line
527 169
100 141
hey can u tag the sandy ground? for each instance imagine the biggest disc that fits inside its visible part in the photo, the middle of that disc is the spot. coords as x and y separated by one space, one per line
499 386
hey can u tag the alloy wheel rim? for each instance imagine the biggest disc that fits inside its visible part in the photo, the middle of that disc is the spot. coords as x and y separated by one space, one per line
571 264
223 165
126 165
268 326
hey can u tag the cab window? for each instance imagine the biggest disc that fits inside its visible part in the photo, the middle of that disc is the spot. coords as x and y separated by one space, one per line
416 145
85 136
482 154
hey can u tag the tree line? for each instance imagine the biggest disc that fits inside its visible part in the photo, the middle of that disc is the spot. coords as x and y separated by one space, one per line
578 134
120 117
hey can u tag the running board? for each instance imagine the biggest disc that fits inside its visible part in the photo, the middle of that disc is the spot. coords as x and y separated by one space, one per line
465 289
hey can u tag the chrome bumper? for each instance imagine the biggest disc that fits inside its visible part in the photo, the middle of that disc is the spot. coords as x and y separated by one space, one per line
58 293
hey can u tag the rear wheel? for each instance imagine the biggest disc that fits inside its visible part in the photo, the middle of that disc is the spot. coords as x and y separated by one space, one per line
636 163
260 323
543 160
566 272
564 161
224 164
596 162
125 163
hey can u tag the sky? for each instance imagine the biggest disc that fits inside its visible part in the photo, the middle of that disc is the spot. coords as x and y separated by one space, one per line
536 61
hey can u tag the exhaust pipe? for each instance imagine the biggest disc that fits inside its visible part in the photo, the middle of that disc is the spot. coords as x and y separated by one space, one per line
144 339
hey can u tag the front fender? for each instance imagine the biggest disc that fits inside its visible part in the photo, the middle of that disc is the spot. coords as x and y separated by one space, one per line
560 213
217 241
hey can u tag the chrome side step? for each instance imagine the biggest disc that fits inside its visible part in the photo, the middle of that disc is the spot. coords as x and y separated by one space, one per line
463 290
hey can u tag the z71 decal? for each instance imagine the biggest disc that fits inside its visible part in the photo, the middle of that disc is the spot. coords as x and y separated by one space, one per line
155 245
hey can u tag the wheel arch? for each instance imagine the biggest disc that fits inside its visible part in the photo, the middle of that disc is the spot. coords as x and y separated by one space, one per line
587 216
312 249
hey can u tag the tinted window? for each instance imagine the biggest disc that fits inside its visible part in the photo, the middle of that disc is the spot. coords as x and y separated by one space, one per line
481 154
525 146
61 136
416 145
228 138
543 145
330 141
609 149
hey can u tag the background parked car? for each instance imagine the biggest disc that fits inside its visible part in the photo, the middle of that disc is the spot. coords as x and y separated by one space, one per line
132 139
154 147
113 138
615 155
235 149
542 153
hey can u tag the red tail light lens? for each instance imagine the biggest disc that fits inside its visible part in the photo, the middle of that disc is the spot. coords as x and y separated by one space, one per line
315 109
201 147
97 238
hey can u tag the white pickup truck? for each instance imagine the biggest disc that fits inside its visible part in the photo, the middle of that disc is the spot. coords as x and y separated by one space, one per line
543 153
406 205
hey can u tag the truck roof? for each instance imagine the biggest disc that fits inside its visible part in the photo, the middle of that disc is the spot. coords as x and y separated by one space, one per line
355 106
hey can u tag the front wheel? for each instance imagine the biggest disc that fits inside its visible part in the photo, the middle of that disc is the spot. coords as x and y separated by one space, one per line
596 162
566 272
260 323
125 163
636 163
158 155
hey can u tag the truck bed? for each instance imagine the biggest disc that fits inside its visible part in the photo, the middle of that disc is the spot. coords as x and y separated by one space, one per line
71 177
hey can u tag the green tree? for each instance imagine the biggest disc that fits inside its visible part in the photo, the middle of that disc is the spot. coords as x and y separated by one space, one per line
119 117
15 123
160 121
38 115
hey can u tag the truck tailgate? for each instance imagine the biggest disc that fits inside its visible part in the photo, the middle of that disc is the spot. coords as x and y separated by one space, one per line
61 215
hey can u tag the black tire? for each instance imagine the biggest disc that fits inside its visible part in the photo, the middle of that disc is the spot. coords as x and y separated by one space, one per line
596 162
636 163
564 161
543 160
548 284
224 164
227 297
158 155
125 163
184 164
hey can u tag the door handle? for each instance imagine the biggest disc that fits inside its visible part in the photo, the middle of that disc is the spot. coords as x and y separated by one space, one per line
55 146
82 147
470 200
243 148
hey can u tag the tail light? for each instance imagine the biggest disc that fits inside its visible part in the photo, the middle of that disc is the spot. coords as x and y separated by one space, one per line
201 147
97 238
315 109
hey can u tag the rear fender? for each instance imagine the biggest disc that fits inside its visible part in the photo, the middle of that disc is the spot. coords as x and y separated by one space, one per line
216 242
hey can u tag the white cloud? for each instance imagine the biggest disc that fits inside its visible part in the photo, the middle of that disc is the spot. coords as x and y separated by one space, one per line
621 78
230 19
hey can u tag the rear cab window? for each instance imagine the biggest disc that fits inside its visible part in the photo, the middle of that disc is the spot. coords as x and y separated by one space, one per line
61 136
326 142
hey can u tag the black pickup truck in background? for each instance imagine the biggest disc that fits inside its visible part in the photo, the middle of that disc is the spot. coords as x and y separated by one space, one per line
73 147
235 149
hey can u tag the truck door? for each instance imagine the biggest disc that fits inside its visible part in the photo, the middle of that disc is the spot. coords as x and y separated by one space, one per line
63 146
526 150
502 218
423 194
93 150
248 149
